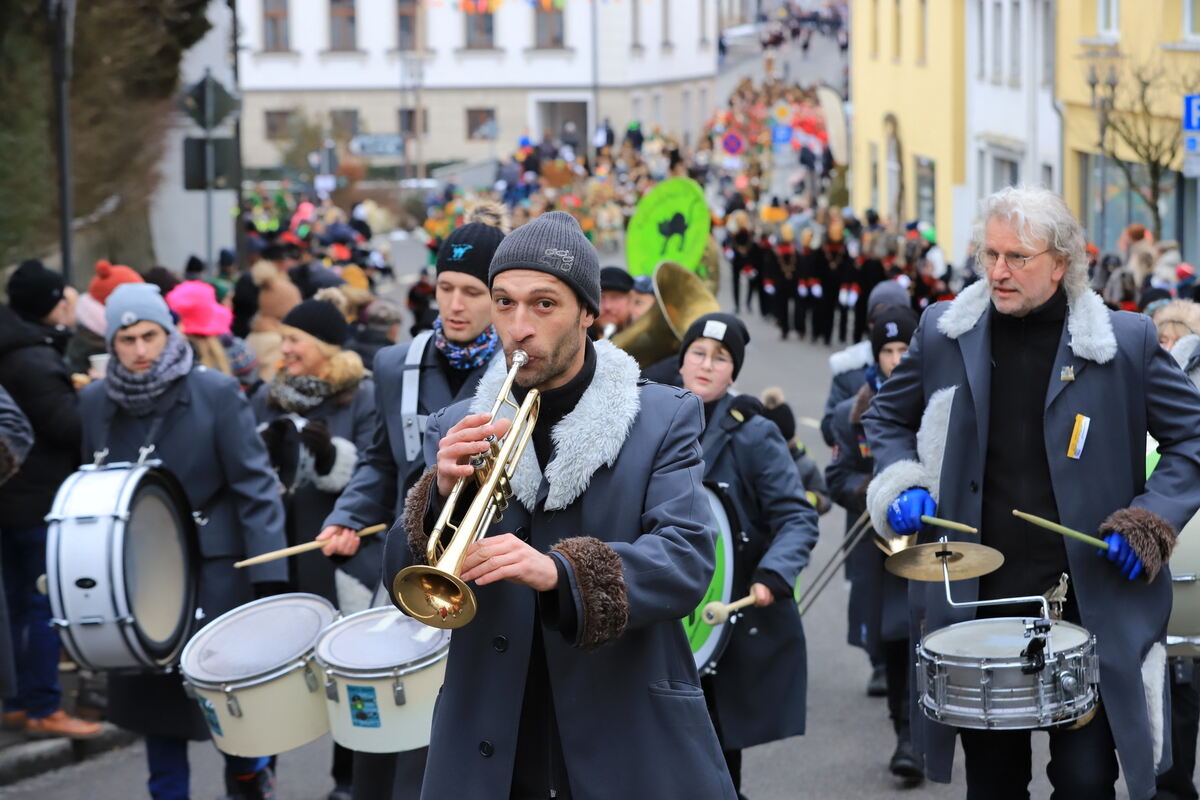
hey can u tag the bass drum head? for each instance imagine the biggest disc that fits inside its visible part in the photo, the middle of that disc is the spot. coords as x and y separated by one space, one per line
709 641
256 639
998 639
379 640
160 584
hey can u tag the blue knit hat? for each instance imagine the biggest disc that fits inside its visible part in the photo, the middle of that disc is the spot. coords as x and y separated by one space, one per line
131 303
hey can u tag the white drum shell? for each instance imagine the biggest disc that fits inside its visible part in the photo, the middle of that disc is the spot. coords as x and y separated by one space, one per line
1183 629
402 726
993 693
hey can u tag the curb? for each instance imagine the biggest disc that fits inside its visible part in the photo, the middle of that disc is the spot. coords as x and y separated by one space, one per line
38 756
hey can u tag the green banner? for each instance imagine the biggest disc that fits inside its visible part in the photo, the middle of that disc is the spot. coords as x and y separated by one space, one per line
670 224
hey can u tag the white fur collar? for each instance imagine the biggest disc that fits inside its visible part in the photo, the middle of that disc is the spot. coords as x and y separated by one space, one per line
856 356
586 439
1184 349
1088 320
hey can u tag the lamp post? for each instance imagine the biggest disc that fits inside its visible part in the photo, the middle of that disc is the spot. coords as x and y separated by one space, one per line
1103 94
62 21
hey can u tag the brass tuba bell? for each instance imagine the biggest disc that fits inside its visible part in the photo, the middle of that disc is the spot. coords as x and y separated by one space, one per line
680 299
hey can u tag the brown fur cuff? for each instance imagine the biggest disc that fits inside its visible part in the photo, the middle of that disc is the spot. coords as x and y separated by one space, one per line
1150 536
415 507
9 463
601 582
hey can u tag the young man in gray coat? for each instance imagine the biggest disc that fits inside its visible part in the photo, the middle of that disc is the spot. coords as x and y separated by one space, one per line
575 679
1026 392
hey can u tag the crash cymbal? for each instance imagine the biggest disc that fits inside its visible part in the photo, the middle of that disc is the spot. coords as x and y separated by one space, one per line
923 562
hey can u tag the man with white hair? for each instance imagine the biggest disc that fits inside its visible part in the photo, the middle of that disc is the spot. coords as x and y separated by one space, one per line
991 411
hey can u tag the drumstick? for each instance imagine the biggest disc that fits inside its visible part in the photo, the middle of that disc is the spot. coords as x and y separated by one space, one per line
1061 529
717 612
296 550
948 524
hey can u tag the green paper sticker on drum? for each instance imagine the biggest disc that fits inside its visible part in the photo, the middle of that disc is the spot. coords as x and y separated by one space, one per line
364 711
210 716
671 224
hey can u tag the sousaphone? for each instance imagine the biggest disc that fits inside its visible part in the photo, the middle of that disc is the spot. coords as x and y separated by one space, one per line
680 299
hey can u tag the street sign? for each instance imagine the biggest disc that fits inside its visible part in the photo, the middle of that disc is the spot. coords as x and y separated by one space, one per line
377 144
781 134
1191 165
733 143
1191 112
1191 144
223 103
195 170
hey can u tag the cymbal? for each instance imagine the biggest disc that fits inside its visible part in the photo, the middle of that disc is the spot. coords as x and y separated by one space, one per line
923 562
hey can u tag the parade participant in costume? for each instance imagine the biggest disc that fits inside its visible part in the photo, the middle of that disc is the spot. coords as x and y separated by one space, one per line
616 303
757 693
788 308
841 289
412 381
878 599
745 257
1003 383
574 680
202 428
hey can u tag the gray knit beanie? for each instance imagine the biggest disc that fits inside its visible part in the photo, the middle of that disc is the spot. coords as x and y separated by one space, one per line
131 303
553 243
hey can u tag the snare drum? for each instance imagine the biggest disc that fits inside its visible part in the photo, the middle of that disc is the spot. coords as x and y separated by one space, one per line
1183 630
251 671
382 671
708 642
121 567
972 675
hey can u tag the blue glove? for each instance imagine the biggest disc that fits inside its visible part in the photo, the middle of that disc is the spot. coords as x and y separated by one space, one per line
904 514
1121 553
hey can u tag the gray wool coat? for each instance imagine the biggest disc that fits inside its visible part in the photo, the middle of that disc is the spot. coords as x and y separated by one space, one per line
760 685
848 366
1110 368
384 472
16 437
208 440
621 508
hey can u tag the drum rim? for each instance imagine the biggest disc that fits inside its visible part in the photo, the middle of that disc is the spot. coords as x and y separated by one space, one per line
405 668
923 648
262 676
724 631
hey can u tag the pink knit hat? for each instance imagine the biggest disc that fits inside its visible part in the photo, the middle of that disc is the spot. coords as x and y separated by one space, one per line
199 312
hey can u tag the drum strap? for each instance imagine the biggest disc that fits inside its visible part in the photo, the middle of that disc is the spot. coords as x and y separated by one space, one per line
156 423
411 422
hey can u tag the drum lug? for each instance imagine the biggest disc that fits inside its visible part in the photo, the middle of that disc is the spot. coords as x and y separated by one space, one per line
93 620
310 678
1184 577
1068 683
59 623
398 692
331 691
231 703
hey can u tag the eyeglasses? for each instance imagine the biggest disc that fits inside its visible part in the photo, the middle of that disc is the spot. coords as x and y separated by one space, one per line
1013 261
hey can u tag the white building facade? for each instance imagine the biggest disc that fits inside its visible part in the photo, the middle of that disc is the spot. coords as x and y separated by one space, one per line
359 66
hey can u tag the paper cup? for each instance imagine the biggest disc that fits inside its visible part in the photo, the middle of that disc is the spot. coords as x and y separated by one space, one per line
99 363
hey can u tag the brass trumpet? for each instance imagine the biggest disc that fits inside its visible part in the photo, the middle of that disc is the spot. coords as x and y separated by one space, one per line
434 594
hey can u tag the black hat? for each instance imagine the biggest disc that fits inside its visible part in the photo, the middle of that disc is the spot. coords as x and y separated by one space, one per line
724 328
469 248
892 324
555 244
319 318
33 290
783 418
615 279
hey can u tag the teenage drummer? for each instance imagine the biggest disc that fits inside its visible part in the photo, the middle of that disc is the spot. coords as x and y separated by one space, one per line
202 429
757 693
878 597
1031 395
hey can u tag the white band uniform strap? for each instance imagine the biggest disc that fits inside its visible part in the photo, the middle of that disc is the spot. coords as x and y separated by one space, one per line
412 423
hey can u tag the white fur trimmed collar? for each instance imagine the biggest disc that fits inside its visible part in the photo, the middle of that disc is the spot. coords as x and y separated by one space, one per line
856 356
1088 320
586 439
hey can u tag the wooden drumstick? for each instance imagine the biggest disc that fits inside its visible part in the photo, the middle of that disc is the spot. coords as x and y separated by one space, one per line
948 524
717 612
296 550
1063 530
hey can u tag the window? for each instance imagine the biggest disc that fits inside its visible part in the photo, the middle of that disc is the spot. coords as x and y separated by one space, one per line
1048 176
481 123
635 24
981 24
656 109
341 25
896 30
407 121
278 124
406 33
275 26
635 108
922 30
926 189
686 117
873 149
1005 172
702 101
344 123
1191 19
1014 44
1108 17
997 25
874 28
666 22
1048 42
548 28
481 31
703 12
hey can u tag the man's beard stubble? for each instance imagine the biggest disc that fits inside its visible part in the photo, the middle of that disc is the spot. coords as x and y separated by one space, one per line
552 364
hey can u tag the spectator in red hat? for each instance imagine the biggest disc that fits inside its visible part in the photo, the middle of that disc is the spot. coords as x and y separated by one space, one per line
88 337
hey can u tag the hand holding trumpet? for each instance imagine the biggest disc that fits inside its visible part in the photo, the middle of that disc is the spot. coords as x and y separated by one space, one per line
466 440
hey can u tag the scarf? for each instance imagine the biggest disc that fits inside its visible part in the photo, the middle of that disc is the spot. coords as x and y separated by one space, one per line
138 392
466 356
299 394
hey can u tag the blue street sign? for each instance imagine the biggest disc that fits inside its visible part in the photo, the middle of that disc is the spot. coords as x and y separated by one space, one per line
781 134
1191 112
1191 144
733 143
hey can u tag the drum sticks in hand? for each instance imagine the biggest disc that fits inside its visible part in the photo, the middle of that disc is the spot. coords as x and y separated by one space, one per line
300 548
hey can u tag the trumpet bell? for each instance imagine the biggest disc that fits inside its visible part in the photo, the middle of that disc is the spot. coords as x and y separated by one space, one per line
680 299
434 597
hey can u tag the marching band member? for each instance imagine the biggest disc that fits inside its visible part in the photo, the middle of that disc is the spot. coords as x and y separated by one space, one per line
574 680
758 692
412 381
877 596
202 429
1006 383
616 301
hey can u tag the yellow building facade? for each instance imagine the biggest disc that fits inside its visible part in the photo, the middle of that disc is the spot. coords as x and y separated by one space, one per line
908 83
1118 39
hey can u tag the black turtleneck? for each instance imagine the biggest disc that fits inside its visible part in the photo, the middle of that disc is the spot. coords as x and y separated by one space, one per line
557 403
1016 470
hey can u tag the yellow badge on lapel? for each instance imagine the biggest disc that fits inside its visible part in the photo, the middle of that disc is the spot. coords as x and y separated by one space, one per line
1078 436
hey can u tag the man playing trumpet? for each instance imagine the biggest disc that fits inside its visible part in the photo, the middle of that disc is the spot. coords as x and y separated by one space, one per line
574 680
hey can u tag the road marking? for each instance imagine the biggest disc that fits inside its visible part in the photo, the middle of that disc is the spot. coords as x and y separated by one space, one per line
810 422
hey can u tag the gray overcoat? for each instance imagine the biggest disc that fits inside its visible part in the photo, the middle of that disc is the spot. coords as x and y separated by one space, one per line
760 685
621 508
1110 368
